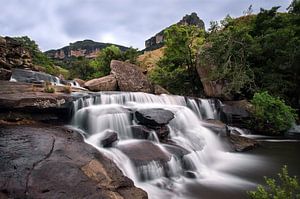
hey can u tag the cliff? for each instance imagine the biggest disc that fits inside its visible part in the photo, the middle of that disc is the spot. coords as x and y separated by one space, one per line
156 41
85 48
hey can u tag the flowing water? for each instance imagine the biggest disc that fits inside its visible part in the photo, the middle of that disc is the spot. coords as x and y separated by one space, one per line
206 170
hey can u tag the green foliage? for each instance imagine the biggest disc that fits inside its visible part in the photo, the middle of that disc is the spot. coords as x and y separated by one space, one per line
41 59
286 188
225 56
294 7
271 113
48 88
176 70
83 69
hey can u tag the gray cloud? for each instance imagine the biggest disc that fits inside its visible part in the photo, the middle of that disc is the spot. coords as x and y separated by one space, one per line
56 23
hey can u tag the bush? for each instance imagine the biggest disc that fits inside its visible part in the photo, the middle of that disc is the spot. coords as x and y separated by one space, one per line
48 88
271 113
287 187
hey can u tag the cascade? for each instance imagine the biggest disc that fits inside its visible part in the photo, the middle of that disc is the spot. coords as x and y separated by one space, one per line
162 167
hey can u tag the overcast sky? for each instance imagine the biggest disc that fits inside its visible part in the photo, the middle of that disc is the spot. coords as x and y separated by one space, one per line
55 23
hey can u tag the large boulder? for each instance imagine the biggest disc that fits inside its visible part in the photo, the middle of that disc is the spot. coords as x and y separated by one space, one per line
130 77
54 162
154 116
143 152
107 83
158 90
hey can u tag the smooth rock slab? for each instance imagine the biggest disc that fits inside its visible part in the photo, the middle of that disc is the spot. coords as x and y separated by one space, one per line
53 162
154 116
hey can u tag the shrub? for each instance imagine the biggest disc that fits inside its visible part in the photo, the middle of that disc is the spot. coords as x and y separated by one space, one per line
287 187
271 113
48 88
68 89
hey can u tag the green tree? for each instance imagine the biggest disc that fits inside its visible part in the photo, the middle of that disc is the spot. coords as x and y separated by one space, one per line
176 70
286 188
271 114
83 69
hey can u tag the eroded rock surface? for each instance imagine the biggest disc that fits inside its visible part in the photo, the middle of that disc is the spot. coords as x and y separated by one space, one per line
53 162
107 83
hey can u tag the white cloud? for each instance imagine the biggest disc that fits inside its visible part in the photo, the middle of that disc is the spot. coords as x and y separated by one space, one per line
56 23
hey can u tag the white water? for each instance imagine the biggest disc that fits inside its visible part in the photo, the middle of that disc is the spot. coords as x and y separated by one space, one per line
206 159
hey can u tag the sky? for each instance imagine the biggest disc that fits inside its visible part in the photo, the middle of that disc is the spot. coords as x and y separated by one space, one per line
56 23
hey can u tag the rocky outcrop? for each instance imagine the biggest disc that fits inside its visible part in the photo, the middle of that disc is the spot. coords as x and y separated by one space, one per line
29 76
53 162
107 83
158 90
130 77
13 54
85 48
156 41
154 116
5 74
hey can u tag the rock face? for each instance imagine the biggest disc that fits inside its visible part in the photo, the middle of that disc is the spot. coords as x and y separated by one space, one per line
29 76
156 41
85 48
130 77
13 55
5 74
53 162
107 83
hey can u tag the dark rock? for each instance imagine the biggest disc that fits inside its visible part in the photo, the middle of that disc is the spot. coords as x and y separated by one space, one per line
109 138
5 74
130 77
107 83
80 81
240 143
162 132
236 113
140 132
29 76
216 126
53 162
154 117
190 174
143 152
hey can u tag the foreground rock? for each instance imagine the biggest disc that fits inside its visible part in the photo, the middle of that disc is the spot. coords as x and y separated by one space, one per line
5 74
107 83
143 152
154 117
54 162
130 77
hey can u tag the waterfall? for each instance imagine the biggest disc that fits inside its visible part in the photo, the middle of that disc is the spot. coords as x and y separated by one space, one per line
162 168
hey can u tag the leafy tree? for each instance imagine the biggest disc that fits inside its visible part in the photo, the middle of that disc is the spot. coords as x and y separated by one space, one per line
176 70
83 69
225 57
286 188
294 7
271 114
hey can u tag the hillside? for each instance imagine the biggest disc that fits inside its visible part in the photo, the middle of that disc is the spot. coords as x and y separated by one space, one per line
85 48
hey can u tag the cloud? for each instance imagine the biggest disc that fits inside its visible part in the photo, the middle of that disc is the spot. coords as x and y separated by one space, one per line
56 23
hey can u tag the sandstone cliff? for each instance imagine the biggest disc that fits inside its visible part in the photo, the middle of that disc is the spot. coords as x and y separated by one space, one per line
85 48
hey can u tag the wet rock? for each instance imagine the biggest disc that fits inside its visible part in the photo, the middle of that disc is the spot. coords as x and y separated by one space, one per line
176 150
107 83
53 162
240 143
141 132
154 117
109 138
216 126
130 77
190 174
143 152
29 76
5 74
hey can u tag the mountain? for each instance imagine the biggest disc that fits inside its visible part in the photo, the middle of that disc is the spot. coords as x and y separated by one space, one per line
156 41
85 48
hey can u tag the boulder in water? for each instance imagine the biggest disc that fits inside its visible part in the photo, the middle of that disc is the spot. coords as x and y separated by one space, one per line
107 83
130 77
143 152
153 117
109 138
240 143
176 150
140 132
